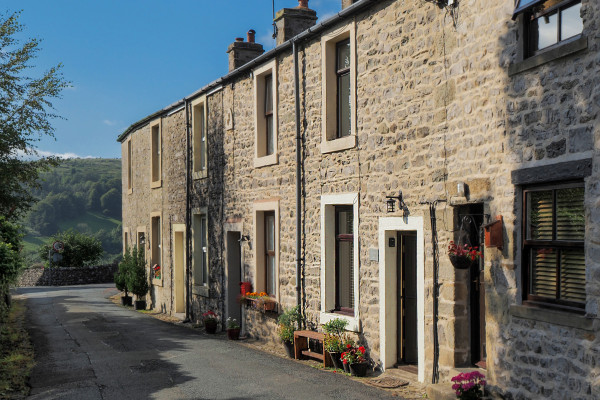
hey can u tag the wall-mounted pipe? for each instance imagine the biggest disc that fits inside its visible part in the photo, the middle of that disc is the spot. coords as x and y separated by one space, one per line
188 288
298 181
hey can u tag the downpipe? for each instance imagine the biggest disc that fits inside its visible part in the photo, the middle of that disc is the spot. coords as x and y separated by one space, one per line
298 181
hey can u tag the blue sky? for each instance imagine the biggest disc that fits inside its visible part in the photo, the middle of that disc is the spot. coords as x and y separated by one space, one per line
129 58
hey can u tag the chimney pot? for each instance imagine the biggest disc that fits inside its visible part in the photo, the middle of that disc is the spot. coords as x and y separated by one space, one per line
239 39
302 3
251 35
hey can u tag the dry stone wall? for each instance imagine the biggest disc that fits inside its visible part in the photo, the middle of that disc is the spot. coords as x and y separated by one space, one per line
40 276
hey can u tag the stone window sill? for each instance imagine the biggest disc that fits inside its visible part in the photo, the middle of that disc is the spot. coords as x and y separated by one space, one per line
199 174
353 322
266 160
331 146
200 290
156 184
130 191
157 282
561 50
555 317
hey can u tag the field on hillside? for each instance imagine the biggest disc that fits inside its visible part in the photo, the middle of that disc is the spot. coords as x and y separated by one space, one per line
83 195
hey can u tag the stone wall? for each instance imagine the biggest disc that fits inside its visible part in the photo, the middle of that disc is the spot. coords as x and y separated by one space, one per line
63 276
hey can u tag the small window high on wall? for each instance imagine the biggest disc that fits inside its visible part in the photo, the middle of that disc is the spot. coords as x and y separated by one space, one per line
549 23
156 151
199 138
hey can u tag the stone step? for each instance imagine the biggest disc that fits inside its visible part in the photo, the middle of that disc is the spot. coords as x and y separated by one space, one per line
441 391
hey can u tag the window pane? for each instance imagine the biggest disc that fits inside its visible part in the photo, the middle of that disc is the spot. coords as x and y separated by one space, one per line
202 140
204 249
539 213
270 226
543 272
270 143
271 288
570 214
343 55
544 31
344 106
571 22
269 94
345 259
572 275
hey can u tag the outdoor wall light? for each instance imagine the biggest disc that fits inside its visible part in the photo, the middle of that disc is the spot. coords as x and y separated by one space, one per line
391 203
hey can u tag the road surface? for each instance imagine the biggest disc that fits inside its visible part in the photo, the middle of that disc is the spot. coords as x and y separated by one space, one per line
89 348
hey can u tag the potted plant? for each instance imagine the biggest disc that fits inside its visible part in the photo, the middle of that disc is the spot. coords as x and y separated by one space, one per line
233 329
469 385
286 325
138 280
355 358
335 339
211 321
463 257
122 277
156 271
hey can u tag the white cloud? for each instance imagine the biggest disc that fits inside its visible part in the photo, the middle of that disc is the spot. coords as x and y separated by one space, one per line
35 155
109 122
266 39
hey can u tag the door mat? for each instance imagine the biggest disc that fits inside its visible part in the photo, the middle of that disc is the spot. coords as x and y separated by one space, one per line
387 382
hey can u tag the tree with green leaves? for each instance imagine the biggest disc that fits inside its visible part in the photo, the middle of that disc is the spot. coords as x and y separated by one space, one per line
26 112
79 249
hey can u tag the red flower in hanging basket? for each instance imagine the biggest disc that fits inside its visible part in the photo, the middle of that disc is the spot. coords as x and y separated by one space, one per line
462 257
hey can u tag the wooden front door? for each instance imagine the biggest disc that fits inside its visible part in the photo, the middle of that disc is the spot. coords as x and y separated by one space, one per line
407 297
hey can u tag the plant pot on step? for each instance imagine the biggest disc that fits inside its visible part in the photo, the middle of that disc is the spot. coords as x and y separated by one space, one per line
335 359
461 262
346 367
210 326
233 334
140 304
358 369
289 349
126 301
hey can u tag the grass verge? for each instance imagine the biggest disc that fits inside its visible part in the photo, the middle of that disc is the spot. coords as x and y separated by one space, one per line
16 354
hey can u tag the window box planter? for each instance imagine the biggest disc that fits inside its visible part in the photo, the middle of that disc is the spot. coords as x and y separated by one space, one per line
264 305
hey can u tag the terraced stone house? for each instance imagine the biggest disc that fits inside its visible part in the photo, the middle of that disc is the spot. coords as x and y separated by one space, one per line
334 170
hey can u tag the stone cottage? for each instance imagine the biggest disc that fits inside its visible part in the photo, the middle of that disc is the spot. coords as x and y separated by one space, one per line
334 171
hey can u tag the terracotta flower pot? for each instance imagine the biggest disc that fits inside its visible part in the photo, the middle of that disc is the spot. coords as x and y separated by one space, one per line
358 369
140 304
233 334
210 326
289 349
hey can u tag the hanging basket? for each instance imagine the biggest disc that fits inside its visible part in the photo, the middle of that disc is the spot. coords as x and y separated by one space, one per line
461 262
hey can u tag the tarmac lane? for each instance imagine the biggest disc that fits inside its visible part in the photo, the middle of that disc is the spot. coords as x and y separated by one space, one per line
86 347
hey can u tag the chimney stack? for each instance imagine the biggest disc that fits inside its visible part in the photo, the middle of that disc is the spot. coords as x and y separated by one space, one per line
347 3
241 52
292 21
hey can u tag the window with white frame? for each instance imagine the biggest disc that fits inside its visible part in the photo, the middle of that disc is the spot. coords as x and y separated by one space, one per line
129 167
200 249
156 242
265 115
339 258
339 90
156 149
199 138
266 249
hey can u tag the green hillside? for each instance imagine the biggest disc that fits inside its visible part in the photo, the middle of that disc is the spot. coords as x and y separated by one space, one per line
80 194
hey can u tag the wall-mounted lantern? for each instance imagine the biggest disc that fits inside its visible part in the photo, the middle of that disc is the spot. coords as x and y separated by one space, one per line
391 204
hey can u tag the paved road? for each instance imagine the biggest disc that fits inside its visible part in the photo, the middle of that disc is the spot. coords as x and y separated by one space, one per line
88 348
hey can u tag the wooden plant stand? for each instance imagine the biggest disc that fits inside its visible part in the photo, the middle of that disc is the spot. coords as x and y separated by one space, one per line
301 349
